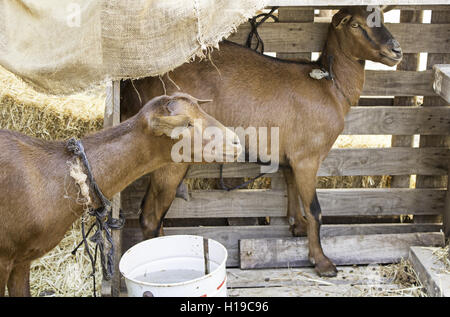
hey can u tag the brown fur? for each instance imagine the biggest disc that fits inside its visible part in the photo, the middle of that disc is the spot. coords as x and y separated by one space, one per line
37 205
260 91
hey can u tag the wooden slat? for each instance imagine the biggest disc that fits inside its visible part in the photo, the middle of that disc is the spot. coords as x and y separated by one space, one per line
398 121
111 118
310 37
398 83
386 161
304 282
442 81
399 7
230 236
295 14
318 291
446 217
307 278
350 162
410 62
342 250
334 202
319 3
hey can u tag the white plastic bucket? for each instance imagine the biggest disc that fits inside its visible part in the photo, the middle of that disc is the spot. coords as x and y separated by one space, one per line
174 266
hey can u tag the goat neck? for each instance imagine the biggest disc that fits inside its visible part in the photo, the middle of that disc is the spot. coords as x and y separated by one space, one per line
348 72
121 154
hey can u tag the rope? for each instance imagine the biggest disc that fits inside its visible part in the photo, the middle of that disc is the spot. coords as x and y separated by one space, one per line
104 222
254 29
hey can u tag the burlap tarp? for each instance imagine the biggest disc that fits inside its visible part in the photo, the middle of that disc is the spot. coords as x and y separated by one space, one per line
63 46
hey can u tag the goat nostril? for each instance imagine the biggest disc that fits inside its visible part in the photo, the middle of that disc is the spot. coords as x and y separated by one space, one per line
397 50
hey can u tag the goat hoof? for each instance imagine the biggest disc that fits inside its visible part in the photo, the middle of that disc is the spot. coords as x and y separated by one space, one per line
326 268
298 231
183 192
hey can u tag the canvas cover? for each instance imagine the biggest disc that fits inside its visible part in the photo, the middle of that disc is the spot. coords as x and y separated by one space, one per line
63 46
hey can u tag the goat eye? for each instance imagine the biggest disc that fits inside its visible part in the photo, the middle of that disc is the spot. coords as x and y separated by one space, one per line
355 25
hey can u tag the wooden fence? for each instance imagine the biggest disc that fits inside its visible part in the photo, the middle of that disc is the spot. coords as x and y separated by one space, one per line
298 35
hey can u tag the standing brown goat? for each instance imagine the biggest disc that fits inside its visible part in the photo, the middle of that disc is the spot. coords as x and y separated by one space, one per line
255 90
38 202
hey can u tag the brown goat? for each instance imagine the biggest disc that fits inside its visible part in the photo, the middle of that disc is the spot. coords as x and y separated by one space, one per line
251 89
39 199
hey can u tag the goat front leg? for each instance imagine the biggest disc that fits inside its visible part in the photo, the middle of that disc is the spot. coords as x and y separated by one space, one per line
294 213
19 280
305 172
158 198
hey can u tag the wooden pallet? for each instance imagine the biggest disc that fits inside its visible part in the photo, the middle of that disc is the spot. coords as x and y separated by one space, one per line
296 35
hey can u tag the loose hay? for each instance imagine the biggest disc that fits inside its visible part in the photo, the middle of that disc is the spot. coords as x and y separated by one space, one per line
59 273
403 275
443 255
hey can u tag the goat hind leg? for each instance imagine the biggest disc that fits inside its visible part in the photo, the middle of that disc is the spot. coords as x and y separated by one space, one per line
297 221
158 198
305 175
19 280
5 270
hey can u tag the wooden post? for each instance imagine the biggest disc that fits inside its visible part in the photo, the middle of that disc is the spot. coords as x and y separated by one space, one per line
447 210
441 83
424 181
112 117
410 62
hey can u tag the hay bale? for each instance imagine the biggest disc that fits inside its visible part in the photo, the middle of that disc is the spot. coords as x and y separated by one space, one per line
58 273
49 117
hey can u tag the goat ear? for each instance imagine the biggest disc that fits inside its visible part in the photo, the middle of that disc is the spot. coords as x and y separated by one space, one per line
340 18
387 8
164 125
200 101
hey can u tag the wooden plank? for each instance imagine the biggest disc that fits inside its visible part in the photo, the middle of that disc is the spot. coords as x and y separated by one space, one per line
431 271
410 62
320 291
350 281
306 277
441 83
111 118
342 250
397 121
319 3
409 7
295 14
350 162
398 83
229 236
334 202
297 37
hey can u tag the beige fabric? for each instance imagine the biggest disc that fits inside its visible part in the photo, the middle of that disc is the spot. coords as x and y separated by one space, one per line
62 46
